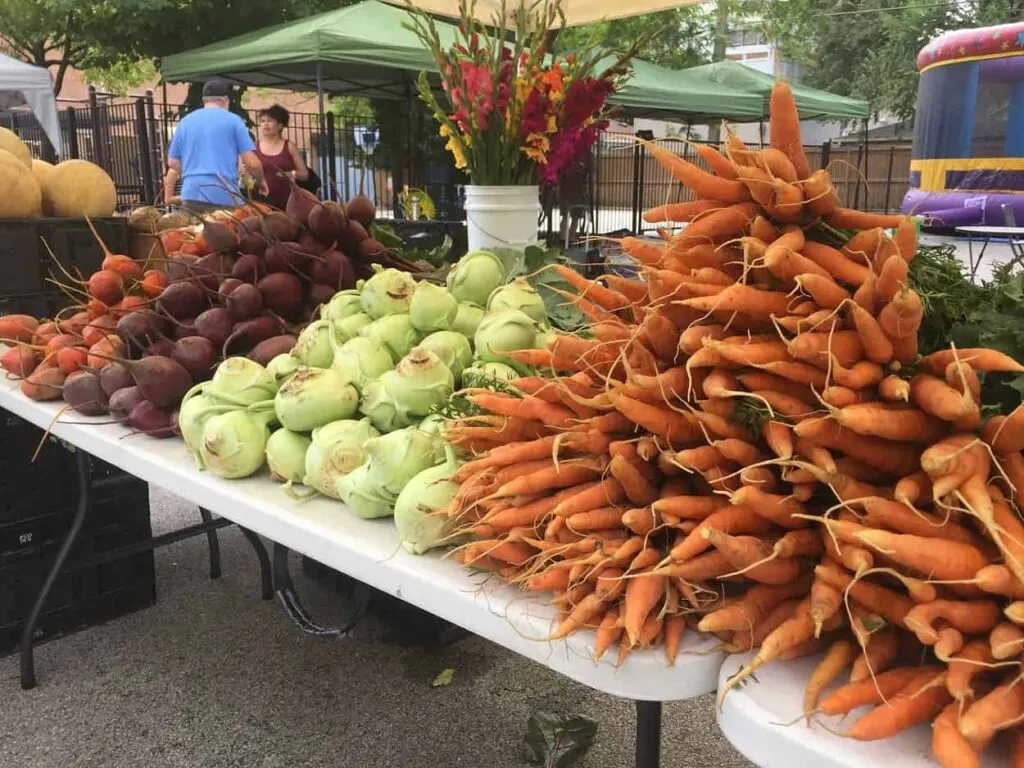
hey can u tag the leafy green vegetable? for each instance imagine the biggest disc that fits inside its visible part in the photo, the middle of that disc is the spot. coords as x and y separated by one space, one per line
561 313
555 741
969 315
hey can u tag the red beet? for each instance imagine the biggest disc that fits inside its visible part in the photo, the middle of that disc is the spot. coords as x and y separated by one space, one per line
270 348
115 376
309 244
185 328
83 392
282 293
227 286
19 361
371 250
245 302
183 299
179 267
123 400
219 237
320 294
286 257
140 329
300 204
280 226
327 222
216 325
250 333
332 268
197 355
362 209
354 234
149 418
248 268
160 379
252 243
160 347
212 268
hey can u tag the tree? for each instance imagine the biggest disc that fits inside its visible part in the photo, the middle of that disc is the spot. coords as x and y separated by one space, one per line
868 48
677 38
84 33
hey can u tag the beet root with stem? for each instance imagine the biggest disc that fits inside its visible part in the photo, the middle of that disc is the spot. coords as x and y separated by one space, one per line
83 391
270 348
197 355
149 418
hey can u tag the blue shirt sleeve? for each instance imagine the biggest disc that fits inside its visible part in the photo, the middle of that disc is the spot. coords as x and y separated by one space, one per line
242 137
174 151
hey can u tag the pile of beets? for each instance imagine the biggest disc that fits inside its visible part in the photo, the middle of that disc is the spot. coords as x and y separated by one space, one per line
142 338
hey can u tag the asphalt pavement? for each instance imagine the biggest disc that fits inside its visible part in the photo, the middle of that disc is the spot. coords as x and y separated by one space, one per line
214 677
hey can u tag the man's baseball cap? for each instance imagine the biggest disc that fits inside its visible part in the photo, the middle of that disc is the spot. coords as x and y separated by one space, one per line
216 89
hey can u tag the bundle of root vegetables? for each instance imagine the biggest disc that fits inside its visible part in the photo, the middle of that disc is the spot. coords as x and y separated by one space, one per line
242 282
748 443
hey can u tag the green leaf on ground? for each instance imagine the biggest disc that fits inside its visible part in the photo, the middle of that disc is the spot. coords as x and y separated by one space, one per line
445 677
557 741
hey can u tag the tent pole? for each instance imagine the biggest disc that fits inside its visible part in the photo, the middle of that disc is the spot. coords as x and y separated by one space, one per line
323 153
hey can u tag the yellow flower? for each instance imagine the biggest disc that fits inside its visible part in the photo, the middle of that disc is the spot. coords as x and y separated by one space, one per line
552 124
455 148
537 147
536 155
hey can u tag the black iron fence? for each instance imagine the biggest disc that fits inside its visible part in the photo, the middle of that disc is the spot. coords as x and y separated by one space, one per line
130 140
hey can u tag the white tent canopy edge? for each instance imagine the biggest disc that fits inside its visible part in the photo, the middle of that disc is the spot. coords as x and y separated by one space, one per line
22 83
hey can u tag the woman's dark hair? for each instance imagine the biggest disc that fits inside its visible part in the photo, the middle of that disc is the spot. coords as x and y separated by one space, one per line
276 112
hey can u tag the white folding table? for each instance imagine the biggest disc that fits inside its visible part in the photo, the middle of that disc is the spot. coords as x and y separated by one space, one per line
762 719
369 551
1014 235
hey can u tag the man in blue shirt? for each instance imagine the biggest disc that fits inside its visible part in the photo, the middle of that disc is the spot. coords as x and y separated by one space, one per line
205 151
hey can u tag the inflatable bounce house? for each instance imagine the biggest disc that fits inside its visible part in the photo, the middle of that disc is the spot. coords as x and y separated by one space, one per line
968 156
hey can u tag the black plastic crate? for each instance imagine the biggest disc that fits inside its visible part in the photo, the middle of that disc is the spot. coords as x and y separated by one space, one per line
25 262
35 516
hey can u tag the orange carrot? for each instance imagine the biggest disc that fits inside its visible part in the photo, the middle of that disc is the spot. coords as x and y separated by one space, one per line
891 421
949 747
608 633
988 360
937 558
784 127
780 510
847 218
730 519
701 182
680 212
566 474
752 556
881 651
878 599
673 427
839 656
821 195
918 703
1002 708
837 264
885 455
860 693
642 595
972 617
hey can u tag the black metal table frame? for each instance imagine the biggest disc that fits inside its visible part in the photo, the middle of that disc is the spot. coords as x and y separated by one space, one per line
275 579
209 527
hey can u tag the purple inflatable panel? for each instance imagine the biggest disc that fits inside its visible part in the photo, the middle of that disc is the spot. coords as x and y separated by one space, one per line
960 209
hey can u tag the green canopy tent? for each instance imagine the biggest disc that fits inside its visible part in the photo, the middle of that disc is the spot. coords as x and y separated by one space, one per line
365 50
813 104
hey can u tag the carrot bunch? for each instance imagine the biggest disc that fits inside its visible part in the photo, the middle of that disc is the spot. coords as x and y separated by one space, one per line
747 442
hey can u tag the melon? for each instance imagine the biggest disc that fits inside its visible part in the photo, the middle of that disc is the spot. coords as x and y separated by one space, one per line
77 188
41 169
10 142
21 198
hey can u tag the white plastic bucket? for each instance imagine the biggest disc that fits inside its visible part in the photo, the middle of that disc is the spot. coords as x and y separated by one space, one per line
502 217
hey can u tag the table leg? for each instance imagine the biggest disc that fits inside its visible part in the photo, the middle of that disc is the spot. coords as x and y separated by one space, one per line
214 542
28 671
648 734
297 612
261 555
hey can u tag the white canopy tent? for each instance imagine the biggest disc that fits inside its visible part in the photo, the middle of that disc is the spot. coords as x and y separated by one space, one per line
22 83
576 11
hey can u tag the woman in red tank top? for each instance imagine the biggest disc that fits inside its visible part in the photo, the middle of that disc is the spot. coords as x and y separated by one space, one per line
278 154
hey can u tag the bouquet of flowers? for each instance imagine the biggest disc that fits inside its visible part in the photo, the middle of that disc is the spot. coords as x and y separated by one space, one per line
516 113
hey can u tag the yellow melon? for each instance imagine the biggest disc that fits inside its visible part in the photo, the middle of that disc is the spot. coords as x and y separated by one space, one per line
10 142
21 198
41 169
78 188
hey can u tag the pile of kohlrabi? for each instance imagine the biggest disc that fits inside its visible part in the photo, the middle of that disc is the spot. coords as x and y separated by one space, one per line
356 400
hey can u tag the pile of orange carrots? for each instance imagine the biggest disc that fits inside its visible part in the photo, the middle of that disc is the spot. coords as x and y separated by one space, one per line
747 442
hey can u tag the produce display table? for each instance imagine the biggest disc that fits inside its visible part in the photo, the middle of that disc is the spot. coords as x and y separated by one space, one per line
1013 235
763 720
369 551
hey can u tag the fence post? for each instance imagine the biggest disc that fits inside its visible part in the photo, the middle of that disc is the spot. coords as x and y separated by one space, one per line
888 177
332 154
826 153
98 147
598 164
145 161
639 156
72 133
155 153
856 191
